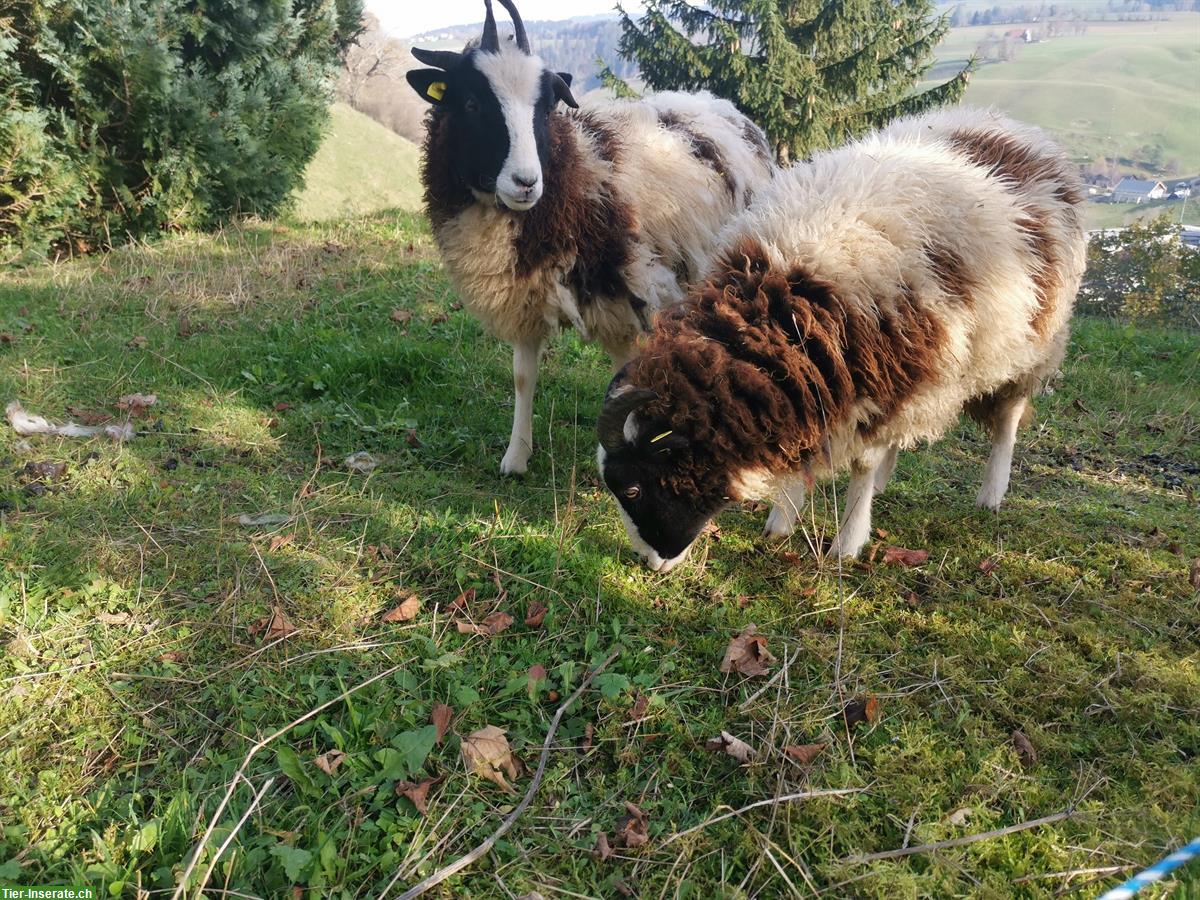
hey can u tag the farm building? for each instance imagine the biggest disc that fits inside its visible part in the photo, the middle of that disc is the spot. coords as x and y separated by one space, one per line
1135 190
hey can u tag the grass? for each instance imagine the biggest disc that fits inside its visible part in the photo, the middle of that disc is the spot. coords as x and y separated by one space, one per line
132 686
1107 93
1118 215
360 168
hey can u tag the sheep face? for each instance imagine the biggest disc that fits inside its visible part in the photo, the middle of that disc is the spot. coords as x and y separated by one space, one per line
665 490
497 100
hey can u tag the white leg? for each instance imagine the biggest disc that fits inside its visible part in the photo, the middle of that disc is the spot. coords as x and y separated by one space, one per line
520 443
999 464
885 470
856 517
782 519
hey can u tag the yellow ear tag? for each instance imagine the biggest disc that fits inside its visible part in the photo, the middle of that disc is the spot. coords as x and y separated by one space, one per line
655 440
437 90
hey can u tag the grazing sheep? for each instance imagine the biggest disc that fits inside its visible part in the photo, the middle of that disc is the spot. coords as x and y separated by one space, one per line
594 218
863 302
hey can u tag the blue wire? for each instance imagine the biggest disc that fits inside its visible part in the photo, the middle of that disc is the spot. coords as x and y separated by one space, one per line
1156 872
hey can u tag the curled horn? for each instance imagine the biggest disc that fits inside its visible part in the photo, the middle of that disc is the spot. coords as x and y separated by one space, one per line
490 42
518 26
611 425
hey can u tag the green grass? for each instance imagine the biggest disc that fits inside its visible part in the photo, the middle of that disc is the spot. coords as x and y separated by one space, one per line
360 168
1118 215
1109 92
131 687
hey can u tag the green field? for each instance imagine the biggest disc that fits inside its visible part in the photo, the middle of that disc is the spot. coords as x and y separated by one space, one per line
1118 215
1110 92
139 669
361 167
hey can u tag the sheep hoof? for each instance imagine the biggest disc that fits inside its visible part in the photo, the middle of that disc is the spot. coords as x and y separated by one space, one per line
514 464
847 550
779 524
989 499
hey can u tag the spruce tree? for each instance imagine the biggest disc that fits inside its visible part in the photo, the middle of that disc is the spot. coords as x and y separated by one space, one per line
811 73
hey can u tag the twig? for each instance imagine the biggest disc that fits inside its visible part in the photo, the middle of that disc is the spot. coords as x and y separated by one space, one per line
463 861
804 795
232 834
181 887
959 842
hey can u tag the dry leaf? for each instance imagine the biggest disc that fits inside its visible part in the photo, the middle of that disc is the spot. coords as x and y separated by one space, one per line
603 851
362 462
960 816
881 533
588 732
108 618
89 416
735 747
272 627
747 653
401 315
330 761
492 624
171 656
282 406
411 439
804 753
441 717
137 342
861 709
631 830
1196 573
900 555
417 792
281 540
405 611
1025 749
535 614
988 564
486 753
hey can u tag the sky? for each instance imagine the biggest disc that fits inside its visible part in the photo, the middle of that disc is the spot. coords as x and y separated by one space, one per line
403 18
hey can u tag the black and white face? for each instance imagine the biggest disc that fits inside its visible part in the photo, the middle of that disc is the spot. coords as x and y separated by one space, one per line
662 521
498 106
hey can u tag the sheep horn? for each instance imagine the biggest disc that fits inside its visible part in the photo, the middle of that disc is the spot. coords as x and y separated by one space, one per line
439 59
490 42
518 26
611 424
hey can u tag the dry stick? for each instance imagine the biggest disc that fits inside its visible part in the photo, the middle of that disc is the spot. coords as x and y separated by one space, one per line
236 828
805 795
959 842
233 784
463 861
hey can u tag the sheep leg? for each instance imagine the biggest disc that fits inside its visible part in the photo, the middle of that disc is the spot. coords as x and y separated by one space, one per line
856 517
520 443
1006 418
884 473
781 521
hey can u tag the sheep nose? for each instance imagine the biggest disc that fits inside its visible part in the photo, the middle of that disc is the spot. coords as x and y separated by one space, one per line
526 180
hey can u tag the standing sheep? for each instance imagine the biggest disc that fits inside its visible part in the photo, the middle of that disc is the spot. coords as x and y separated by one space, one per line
857 308
594 218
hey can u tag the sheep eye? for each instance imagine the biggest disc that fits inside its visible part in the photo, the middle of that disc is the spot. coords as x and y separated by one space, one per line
632 492
471 105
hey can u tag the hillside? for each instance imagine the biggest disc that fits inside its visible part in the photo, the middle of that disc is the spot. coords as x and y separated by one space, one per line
1123 89
361 168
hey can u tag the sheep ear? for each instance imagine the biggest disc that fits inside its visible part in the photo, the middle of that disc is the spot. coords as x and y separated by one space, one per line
429 83
561 82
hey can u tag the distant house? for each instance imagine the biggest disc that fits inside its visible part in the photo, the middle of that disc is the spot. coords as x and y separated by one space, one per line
1182 190
1135 190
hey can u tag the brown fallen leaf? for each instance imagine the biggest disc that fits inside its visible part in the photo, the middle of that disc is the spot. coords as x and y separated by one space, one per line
1195 577
904 557
862 709
881 533
137 342
535 614
171 656
747 653
121 618
631 830
412 439
588 731
281 540
492 624
88 416
417 792
602 851
960 816
804 753
1025 750
735 747
986 566
441 717
329 761
622 887
486 753
912 600
537 674
272 627
282 406
405 611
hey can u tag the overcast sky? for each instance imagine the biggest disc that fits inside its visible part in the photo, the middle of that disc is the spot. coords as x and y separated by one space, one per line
408 17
